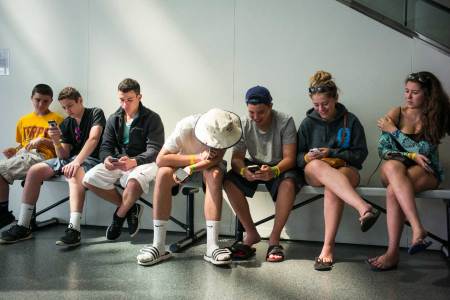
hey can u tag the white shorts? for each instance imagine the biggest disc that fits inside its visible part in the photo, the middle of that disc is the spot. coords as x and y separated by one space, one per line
105 179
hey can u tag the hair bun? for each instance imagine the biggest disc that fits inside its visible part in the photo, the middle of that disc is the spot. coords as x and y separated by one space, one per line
319 78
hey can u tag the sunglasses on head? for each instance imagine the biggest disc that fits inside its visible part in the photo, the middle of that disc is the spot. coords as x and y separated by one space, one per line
418 77
320 89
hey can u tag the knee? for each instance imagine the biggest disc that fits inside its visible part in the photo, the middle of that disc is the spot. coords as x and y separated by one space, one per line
390 167
164 173
287 183
132 187
214 175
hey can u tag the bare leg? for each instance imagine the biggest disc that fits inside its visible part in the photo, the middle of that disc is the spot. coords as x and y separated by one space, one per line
318 172
417 179
130 195
240 206
112 196
283 206
332 210
77 192
35 176
213 196
162 197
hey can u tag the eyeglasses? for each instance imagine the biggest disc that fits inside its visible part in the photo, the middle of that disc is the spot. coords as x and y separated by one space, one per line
320 89
424 79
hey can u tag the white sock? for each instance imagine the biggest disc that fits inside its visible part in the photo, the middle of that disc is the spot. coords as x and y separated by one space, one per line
75 220
159 235
26 211
212 236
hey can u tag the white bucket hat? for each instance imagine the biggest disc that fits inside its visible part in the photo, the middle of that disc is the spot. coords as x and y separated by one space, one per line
218 129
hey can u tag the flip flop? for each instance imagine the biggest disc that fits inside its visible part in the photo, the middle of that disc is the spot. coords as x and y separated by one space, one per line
421 245
275 250
240 251
320 265
220 256
368 222
150 255
379 269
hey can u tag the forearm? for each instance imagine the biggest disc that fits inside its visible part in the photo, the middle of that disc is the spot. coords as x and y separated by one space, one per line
177 160
87 150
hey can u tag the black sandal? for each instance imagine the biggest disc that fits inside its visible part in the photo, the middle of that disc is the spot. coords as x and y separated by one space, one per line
368 222
275 250
320 265
240 251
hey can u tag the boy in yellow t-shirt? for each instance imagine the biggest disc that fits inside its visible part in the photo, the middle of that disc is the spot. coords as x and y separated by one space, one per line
34 146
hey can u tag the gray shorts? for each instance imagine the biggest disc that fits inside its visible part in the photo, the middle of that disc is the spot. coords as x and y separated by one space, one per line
16 167
56 164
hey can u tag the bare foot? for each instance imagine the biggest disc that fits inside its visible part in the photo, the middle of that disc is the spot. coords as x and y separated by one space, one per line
252 238
384 261
327 253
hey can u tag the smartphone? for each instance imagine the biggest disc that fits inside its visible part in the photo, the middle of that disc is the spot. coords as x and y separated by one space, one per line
52 123
181 174
253 168
314 150
113 159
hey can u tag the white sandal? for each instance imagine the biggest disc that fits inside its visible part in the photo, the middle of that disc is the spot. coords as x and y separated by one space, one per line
220 256
149 255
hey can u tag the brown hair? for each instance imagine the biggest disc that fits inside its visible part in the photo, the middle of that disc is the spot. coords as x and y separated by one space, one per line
128 85
322 83
69 93
436 109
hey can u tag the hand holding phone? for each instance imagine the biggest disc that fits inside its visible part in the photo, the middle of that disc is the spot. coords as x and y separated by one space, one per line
314 150
181 175
52 123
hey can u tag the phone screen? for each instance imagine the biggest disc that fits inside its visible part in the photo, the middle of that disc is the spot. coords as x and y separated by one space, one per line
253 168
52 123
181 174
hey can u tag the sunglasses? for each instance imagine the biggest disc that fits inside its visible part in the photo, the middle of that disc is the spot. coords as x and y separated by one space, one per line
418 77
320 89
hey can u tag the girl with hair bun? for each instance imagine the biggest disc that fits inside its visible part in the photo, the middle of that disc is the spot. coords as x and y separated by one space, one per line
409 147
331 150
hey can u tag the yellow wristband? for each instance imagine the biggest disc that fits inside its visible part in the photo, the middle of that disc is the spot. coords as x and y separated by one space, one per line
276 171
242 171
192 159
306 158
192 167
58 145
411 155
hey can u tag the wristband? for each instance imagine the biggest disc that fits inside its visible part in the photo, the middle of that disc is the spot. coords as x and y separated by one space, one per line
192 167
58 145
192 159
411 155
276 171
306 158
242 171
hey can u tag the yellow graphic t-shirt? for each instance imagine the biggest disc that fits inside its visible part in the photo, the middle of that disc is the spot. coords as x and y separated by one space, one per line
32 126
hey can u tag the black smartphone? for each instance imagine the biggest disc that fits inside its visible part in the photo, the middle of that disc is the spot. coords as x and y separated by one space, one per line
181 174
253 168
52 123
113 159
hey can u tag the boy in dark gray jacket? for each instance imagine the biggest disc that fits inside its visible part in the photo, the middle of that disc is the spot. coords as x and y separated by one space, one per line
132 139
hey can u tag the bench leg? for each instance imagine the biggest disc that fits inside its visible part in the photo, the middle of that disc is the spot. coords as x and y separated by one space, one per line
445 247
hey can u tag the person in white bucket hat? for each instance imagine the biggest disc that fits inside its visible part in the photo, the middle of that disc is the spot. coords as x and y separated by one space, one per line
193 153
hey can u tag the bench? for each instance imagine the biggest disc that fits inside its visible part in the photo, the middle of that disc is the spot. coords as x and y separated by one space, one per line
317 193
190 235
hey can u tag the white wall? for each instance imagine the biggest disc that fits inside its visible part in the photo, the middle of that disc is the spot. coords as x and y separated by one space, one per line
190 56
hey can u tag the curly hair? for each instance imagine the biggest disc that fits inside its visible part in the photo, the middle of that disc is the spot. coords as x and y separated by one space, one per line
436 110
322 83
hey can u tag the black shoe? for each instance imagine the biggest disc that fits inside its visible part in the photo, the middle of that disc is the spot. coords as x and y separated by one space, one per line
134 218
71 238
6 218
15 234
115 229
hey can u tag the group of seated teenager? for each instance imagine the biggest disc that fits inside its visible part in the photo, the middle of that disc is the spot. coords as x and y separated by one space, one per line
327 150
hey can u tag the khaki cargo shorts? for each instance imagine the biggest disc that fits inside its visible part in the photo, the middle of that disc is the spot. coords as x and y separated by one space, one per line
16 167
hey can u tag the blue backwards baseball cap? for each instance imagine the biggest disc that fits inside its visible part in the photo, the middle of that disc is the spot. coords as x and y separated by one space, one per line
258 95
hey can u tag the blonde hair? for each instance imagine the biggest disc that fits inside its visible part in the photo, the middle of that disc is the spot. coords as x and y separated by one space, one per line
322 83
